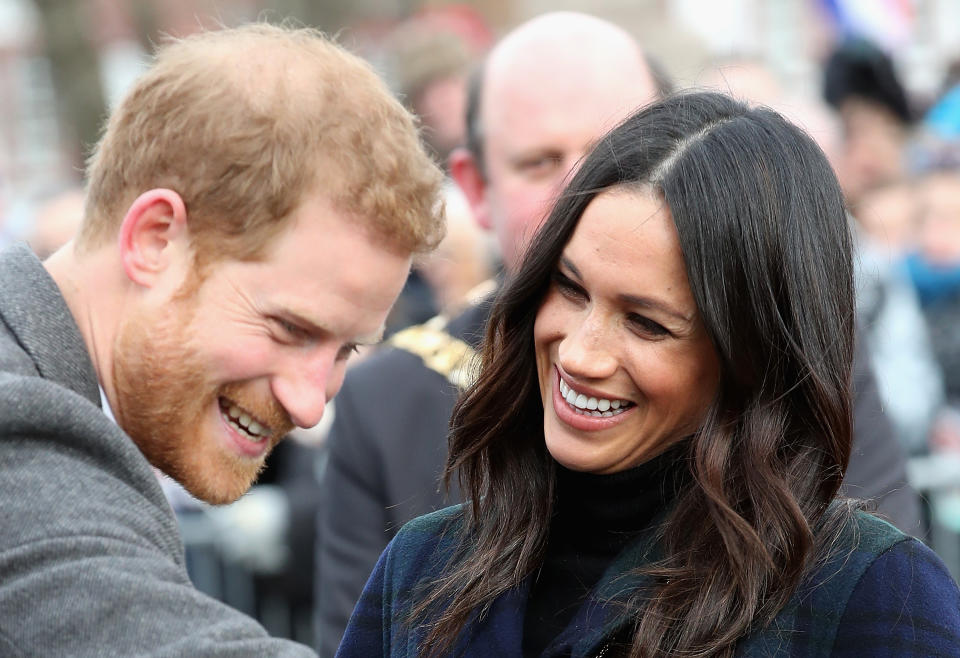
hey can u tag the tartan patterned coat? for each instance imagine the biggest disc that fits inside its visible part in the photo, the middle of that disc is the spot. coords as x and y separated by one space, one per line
880 594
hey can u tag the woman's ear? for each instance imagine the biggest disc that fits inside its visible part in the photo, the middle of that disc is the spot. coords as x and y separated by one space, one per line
465 171
153 235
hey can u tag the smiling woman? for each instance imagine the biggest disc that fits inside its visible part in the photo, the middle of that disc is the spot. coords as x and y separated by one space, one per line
620 327
661 424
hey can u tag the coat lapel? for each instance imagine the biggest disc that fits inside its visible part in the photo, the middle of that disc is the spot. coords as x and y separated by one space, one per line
36 314
603 616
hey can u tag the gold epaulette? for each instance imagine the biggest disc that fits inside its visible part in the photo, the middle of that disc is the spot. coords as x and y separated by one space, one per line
440 351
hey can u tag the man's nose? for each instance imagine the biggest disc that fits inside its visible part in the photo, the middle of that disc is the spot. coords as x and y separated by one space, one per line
305 387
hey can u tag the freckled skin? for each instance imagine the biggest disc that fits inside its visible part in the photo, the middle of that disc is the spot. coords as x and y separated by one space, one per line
627 328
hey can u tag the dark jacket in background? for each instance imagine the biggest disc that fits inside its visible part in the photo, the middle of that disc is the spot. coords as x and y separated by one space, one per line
386 452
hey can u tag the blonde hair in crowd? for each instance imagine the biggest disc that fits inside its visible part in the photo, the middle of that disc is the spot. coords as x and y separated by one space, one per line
243 123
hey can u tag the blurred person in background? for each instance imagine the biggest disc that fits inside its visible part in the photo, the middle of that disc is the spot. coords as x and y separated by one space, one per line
459 270
252 211
428 67
861 83
56 221
935 271
887 217
427 59
934 265
908 372
891 338
535 108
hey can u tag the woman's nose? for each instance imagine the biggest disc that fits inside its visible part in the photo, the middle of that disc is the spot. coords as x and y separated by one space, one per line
586 352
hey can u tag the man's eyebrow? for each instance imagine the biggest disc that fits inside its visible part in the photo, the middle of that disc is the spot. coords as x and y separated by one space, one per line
634 300
314 329
535 152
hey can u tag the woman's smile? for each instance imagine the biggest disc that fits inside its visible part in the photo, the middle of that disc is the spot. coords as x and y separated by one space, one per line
581 409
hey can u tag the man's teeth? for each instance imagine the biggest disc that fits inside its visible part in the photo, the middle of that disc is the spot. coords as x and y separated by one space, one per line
245 424
592 406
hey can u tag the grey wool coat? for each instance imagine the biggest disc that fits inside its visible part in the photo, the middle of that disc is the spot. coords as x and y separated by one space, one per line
91 560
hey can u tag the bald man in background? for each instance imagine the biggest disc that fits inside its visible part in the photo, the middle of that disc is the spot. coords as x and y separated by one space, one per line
545 93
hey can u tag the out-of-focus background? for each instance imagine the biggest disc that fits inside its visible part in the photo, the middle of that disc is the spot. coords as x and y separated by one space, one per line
875 82
64 62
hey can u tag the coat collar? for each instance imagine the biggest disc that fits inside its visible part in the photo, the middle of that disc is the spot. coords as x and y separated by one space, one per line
600 617
35 312
604 614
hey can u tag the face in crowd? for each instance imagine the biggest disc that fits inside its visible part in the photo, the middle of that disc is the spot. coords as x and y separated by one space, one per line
238 283
625 365
939 231
211 374
873 143
670 309
549 90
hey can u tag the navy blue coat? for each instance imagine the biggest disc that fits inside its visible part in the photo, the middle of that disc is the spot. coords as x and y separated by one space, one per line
388 445
881 594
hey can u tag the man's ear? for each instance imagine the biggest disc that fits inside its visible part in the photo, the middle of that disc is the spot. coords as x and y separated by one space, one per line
465 171
153 232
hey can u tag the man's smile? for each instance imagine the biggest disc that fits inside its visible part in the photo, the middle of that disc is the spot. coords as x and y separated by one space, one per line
243 421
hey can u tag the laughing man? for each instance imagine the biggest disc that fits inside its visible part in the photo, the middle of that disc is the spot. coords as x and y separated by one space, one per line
251 213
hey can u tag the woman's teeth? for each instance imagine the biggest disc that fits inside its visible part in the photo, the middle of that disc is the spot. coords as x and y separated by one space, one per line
586 406
243 423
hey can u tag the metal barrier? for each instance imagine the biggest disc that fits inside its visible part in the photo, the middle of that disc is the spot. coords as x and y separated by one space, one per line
937 479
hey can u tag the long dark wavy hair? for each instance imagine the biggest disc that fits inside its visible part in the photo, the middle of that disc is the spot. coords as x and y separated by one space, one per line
762 226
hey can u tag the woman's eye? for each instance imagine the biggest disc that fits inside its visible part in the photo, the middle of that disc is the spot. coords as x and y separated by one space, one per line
567 287
648 327
347 350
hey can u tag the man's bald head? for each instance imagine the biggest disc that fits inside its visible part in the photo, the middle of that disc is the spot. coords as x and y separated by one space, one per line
568 54
546 92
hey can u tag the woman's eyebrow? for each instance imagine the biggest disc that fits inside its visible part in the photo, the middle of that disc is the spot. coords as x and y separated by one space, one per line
635 300
566 262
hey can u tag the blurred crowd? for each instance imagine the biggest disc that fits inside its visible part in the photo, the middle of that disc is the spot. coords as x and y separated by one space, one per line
899 164
897 158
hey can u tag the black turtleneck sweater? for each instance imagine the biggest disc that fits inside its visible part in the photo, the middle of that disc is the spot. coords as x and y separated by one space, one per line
595 517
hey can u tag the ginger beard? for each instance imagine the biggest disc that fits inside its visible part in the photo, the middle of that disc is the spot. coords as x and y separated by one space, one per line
170 408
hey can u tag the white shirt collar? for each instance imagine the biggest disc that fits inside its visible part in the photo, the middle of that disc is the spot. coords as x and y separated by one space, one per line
105 404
